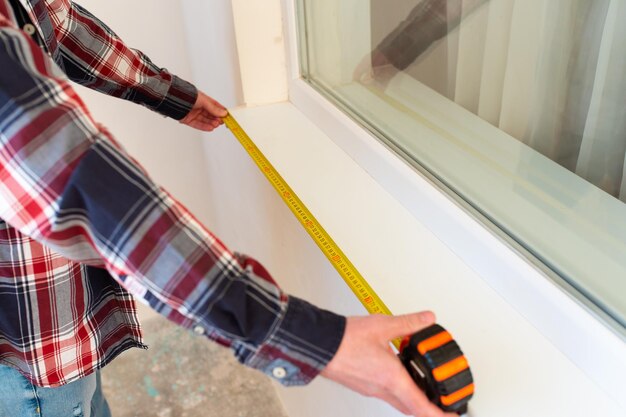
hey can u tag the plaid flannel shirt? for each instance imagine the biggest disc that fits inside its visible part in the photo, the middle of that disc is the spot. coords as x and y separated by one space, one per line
85 227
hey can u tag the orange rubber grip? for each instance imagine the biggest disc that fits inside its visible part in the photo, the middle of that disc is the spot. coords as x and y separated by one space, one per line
457 395
434 342
451 368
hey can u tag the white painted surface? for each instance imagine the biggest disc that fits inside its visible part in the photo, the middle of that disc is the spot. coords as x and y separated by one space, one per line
149 137
412 269
559 318
210 39
259 32
210 36
519 372
328 48
539 378
578 334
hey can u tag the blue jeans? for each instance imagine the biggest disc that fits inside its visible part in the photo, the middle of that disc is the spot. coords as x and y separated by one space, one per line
20 398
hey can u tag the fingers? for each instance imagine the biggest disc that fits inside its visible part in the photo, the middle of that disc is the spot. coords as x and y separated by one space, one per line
408 397
400 326
203 123
402 393
413 399
217 109
210 105
366 340
405 392
209 120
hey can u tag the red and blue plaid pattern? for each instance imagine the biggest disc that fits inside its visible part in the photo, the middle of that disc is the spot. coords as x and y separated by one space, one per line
84 226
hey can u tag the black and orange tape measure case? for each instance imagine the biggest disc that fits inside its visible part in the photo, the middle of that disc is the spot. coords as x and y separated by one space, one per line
431 356
437 364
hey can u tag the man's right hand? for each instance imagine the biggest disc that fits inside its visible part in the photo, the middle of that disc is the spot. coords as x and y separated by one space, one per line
365 362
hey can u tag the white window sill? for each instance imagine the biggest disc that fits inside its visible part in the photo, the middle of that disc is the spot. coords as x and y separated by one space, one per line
511 183
533 350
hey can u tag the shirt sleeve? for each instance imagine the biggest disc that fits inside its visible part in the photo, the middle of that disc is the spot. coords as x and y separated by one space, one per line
91 54
428 22
66 183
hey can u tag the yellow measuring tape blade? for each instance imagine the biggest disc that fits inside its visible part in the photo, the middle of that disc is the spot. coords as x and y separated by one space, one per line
359 286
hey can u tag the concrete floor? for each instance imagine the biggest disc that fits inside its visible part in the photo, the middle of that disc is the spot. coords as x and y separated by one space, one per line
184 375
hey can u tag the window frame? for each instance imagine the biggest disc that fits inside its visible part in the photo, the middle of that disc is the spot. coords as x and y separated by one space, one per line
576 327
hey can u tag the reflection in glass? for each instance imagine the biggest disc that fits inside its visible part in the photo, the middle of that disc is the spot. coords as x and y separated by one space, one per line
549 73
517 107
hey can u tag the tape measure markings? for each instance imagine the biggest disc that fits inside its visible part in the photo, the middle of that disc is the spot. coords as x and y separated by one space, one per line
348 272
450 383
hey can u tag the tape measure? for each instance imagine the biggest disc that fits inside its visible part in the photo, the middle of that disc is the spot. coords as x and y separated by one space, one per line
438 366
432 358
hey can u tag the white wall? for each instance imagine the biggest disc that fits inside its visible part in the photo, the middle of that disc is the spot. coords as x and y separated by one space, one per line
238 204
172 153
249 216
209 30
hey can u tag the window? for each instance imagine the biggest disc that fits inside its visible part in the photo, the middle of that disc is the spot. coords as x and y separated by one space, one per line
515 107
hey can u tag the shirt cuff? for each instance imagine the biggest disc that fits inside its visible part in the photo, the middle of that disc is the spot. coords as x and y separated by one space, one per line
179 99
300 346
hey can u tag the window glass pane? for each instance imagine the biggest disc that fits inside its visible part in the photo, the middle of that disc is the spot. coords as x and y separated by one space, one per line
516 106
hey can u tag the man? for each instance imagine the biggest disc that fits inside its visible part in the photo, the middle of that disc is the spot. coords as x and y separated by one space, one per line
84 228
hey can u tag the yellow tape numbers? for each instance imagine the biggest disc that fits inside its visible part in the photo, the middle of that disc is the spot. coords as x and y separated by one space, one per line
359 286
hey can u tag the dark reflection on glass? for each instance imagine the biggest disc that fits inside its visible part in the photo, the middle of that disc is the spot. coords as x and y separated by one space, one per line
554 78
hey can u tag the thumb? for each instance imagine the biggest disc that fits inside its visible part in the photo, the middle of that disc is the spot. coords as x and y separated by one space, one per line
400 326
217 109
